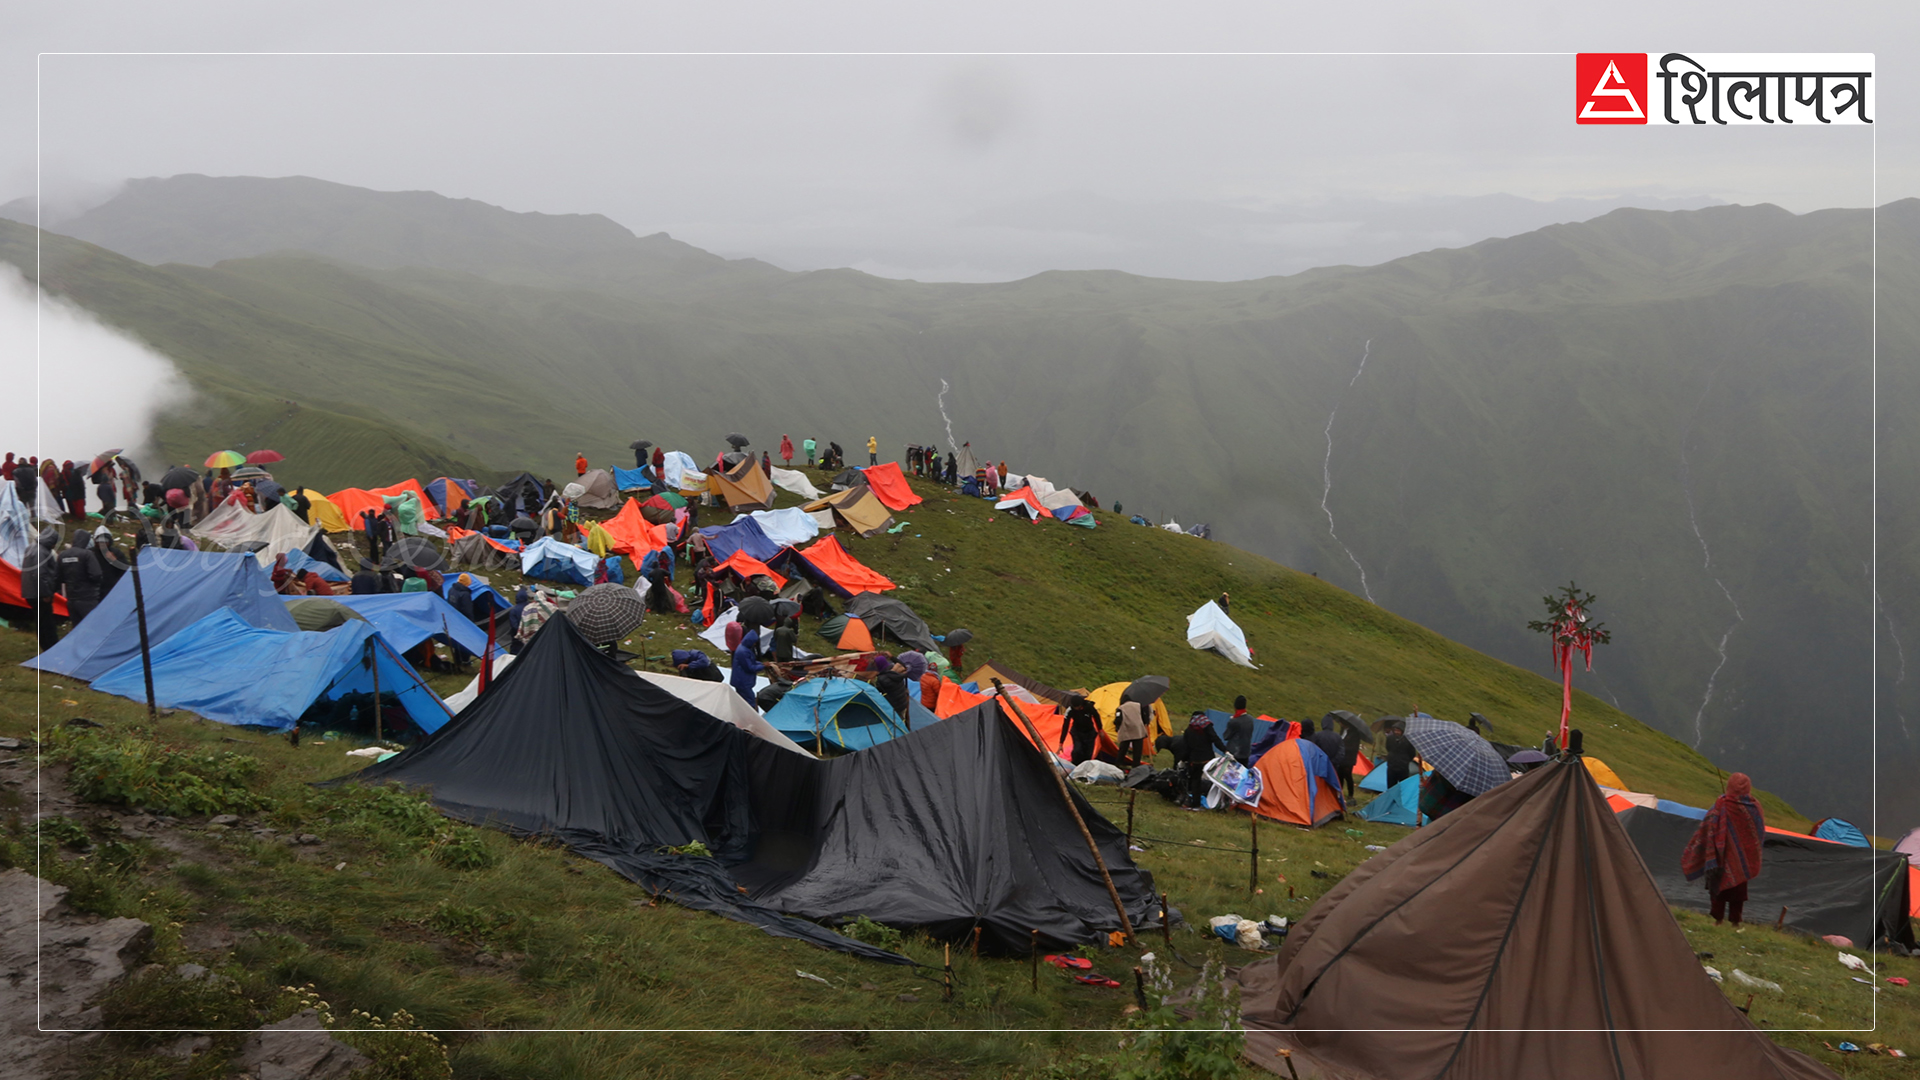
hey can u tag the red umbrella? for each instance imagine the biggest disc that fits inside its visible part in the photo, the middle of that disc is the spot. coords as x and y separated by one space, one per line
265 457
101 459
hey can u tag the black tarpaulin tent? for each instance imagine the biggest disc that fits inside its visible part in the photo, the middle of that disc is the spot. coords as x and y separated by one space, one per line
1827 888
883 613
947 828
569 743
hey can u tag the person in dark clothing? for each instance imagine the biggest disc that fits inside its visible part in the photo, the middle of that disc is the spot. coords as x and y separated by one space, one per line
1226 604
660 589
302 506
1082 726
695 664
1198 745
370 528
40 581
1329 741
113 562
953 467
1239 734
26 483
366 582
103 491
80 577
1400 756
75 482
1438 796
785 637
1349 757
746 666
892 684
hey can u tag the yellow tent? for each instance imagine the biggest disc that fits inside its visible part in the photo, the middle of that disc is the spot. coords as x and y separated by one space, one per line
857 509
1602 775
1107 700
323 512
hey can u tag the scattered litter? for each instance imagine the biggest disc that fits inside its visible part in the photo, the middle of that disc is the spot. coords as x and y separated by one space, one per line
1199 841
339 867
1135 847
370 751
811 975
1852 961
1891 1052
1355 832
1848 1048
1741 978
1897 981
1070 963
1837 940
1375 847
1866 982
1095 980
1713 973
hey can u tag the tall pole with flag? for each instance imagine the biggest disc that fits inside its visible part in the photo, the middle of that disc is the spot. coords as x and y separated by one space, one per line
1571 629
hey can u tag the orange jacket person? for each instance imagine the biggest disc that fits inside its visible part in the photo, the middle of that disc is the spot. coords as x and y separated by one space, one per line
580 464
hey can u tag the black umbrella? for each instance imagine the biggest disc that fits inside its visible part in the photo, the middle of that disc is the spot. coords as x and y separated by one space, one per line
249 545
415 552
178 477
733 459
1528 757
786 609
607 612
639 444
1353 723
1479 723
959 637
756 611
738 440
1389 723
1146 689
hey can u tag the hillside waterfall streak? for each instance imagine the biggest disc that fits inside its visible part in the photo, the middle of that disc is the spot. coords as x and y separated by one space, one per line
940 402
1706 553
1326 474
1893 634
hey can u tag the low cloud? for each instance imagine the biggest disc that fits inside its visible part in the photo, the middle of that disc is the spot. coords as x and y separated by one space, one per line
86 386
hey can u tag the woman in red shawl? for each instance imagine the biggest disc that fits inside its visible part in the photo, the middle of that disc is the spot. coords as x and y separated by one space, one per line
1726 848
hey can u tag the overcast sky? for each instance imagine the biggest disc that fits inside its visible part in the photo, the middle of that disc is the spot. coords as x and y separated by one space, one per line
958 167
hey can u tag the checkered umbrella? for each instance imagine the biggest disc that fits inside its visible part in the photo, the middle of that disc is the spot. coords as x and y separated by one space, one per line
1469 762
607 612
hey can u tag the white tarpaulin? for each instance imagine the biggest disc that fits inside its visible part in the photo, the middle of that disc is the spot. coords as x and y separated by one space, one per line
1209 628
16 530
787 528
1051 497
722 700
681 473
795 481
232 524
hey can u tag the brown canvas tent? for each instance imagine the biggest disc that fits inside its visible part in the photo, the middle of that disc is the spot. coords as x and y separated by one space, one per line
1518 936
744 486
602 493
857 509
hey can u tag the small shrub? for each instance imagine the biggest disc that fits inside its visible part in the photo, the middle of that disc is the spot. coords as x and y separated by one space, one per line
1171 1047
873 933
163 999
127 770
65 832
93 889
399 1050
388 811
462 850
476 924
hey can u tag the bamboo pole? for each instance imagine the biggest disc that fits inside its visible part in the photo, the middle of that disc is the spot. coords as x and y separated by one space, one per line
946 952
1166 922
1126 923
373 662
1132 793
1253 869
1033 937
140 611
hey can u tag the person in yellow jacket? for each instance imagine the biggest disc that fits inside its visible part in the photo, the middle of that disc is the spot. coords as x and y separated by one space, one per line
873 450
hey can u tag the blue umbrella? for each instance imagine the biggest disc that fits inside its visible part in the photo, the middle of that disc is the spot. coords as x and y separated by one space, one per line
1469 762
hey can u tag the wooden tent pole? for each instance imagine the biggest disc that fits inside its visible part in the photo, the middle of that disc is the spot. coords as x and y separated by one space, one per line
1039 745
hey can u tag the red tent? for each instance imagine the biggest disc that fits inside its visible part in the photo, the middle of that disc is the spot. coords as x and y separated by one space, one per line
10 589
890 486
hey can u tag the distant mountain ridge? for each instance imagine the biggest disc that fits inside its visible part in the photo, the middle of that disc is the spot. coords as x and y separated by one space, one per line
1672 407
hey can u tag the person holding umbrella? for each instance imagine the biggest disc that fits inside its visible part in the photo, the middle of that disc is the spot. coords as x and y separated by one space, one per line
1725 849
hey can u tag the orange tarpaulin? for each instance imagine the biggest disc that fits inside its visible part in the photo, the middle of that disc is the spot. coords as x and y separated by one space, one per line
355 501
427 505
1025 495
855 637
10 589
455 533
849 573
1913 891
633 535
890 486
1290 793
747 566
456 496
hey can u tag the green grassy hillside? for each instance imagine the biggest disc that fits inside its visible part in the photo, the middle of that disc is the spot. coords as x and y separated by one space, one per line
1672 408
382 908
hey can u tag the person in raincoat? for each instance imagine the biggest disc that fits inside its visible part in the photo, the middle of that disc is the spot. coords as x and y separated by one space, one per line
873 450
786 450
746 665
406 511
1725 849
808 446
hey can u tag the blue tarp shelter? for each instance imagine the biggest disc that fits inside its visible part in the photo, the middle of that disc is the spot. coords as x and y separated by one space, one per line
1841 832
547 559
300 562
478 588
1377 779
743 535
407 619
1399 805
851 715
1267 734
181 588
283 673
632 479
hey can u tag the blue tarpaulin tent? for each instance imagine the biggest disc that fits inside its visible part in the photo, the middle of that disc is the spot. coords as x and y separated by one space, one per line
286 672
437 491
1668 806
478 587
407 619
743 535
632 479
846 714
300 562
181 588
547 559
1399 805
1841 832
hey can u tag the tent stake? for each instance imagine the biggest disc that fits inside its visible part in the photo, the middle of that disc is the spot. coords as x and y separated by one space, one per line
1039 745
1166 922
1034 951
140 612
1131 795
976 943
1782 920
374 663
1253 874
946 952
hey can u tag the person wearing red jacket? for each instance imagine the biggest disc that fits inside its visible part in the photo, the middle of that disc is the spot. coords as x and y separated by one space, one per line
580 464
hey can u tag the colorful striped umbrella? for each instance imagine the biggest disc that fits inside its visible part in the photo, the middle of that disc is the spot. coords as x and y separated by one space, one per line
226 459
